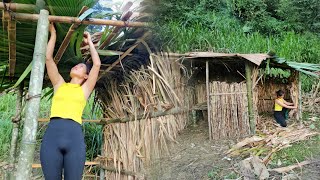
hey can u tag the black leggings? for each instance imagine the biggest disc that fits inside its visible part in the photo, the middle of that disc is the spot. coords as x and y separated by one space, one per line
63 147
281 117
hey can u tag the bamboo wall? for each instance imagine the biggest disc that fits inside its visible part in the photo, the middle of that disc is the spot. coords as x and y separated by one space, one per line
228 109
267 93
130 146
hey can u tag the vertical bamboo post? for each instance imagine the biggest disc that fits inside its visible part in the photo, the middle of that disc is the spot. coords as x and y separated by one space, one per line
208 99
299 97
33 100
15 129
248 69
102 171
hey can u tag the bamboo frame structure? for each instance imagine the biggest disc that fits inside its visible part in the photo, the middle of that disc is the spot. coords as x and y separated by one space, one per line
33 104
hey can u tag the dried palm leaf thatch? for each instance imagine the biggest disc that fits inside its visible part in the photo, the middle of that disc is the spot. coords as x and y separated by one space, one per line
229 110
132 145
270 140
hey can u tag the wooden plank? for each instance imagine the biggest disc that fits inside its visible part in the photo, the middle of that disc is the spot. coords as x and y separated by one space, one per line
67 38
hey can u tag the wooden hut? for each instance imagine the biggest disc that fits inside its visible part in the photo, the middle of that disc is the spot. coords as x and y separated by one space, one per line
233 89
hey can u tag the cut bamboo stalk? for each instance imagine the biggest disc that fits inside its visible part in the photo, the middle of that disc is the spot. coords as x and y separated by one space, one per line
76 20
248 69
33 104
67 38
12 46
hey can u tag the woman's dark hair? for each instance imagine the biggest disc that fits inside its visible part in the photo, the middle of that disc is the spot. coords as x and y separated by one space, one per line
89 66
280 93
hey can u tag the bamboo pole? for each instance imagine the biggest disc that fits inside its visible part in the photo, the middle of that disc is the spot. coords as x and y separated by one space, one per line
15 130
88 163
33 104
208 99
248 69
299 97
127 119
76 20
18 6
12 46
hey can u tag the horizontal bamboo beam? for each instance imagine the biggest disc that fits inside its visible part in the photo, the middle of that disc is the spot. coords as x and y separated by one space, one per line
122 171
76 20
127 119
18 6
41 120
89 163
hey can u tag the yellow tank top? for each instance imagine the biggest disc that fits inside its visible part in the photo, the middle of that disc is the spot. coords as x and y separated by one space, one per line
68 102
277 107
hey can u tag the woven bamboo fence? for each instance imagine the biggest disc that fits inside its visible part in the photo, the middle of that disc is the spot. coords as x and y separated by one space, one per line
229 110
130 146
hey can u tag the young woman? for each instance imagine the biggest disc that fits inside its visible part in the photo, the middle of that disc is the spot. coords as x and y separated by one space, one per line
63 146
280 108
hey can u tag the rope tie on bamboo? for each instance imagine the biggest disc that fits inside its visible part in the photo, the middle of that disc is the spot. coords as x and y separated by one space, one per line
7 8
29 142
29 97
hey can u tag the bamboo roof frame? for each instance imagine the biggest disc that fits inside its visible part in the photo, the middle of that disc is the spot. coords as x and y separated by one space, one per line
9 20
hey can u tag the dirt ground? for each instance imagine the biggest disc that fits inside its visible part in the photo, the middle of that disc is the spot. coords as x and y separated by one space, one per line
193 157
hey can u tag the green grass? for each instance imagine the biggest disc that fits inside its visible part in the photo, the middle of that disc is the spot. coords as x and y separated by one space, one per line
7 107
